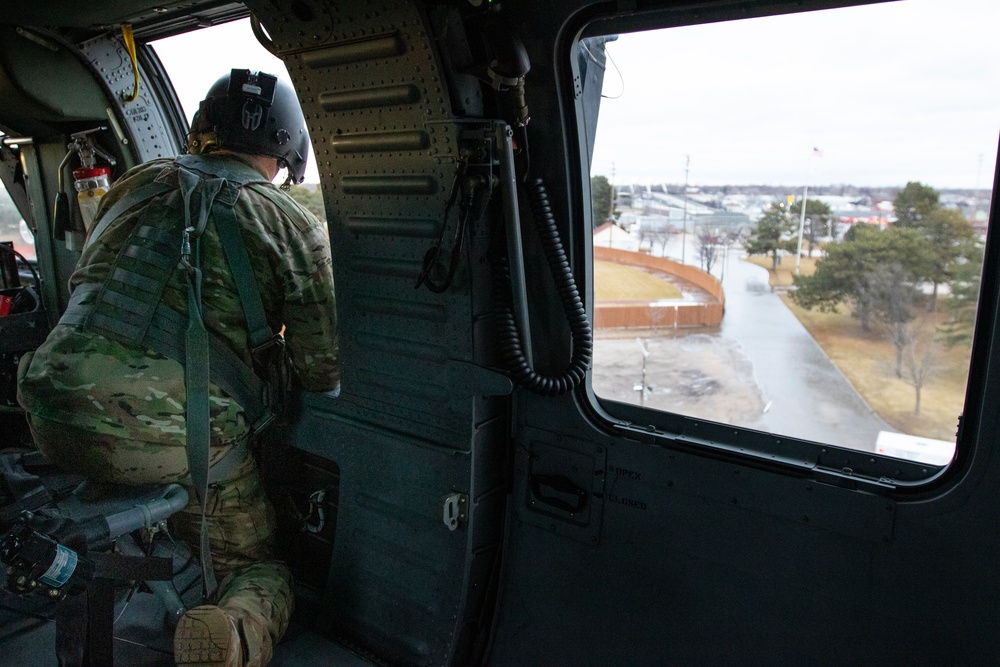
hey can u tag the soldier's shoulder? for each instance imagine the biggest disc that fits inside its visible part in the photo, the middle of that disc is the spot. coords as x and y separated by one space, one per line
135 177
146 171
282 205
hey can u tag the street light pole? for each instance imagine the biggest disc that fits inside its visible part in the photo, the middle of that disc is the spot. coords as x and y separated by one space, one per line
641 387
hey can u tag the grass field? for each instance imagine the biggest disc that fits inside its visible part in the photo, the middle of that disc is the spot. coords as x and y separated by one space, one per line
619 282
868 360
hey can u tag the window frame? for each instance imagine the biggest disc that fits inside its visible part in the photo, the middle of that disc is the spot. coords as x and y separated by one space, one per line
838 465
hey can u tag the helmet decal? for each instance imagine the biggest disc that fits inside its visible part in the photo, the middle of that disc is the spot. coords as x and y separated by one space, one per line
252 113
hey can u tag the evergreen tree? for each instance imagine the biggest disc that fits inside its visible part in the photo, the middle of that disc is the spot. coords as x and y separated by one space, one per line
859 269
961 305
773 234
601 198
953 240
914 202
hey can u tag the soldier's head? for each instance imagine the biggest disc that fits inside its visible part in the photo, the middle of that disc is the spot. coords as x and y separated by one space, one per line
256 114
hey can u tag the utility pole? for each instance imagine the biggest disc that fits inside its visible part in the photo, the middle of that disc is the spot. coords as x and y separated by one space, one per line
611 211
687 168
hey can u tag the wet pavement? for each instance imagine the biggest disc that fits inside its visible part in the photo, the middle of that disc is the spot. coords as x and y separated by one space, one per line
761 369
805 393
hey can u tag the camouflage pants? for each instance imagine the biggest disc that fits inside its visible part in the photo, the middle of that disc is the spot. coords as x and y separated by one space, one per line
255 588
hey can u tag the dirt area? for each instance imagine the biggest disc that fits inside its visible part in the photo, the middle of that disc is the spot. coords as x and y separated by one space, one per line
697 374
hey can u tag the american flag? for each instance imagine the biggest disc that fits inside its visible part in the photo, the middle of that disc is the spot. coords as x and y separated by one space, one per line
817 152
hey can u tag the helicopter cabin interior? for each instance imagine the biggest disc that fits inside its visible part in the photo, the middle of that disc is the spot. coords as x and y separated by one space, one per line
498 481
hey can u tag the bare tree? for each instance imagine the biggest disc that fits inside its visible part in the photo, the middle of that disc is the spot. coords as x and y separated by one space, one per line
644 234
896 296
921 360
662 235
708 248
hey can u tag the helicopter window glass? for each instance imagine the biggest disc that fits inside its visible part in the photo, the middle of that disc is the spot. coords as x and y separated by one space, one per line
13 228
717 297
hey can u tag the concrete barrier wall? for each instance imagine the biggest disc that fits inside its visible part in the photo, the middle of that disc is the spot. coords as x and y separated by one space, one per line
612 316
622 316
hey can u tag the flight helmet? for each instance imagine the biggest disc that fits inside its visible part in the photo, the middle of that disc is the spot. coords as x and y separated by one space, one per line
254 113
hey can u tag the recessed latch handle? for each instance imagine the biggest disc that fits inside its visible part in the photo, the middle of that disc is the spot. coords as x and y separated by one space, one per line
558 491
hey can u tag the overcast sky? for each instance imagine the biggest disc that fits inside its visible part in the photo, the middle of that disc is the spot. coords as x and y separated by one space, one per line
889 93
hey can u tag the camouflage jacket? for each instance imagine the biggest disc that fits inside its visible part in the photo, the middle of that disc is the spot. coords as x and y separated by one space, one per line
82 378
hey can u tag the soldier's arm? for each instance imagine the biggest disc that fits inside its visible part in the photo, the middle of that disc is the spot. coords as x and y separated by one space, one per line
309 313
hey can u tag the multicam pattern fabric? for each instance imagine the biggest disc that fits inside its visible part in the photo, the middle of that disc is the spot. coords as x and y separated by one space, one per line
90 381
116 413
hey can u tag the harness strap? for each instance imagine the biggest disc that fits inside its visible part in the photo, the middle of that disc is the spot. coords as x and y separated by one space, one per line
239 263
233 171
198 194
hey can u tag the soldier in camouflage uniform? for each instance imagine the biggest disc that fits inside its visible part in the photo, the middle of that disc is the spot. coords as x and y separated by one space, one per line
116 412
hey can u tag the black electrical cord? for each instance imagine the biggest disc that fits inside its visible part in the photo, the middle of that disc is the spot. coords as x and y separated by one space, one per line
433 254
511 346
34 274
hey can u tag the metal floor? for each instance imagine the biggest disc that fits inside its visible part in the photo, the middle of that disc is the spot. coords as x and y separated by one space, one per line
141 640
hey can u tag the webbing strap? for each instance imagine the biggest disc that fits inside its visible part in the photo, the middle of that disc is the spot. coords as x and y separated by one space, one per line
133 198
239 263
198 194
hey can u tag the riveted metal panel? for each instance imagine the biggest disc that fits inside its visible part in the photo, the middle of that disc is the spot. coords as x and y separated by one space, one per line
414 421
387 148
140 125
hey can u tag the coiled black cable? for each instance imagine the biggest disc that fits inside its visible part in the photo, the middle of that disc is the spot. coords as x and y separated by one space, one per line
31 268
511 346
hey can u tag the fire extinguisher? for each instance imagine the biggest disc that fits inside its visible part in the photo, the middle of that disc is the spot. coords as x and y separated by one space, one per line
91 184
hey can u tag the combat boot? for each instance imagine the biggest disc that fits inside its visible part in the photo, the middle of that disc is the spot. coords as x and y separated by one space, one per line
207 636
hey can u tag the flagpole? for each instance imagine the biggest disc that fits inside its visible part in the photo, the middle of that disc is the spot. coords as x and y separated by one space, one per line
802 224
802 217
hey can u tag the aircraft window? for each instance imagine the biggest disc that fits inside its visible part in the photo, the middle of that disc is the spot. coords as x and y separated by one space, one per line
884 120
13 228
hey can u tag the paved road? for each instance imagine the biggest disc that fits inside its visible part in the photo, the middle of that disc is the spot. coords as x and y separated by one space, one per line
809 397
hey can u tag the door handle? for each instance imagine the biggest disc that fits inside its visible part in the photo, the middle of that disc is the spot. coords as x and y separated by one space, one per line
558 491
